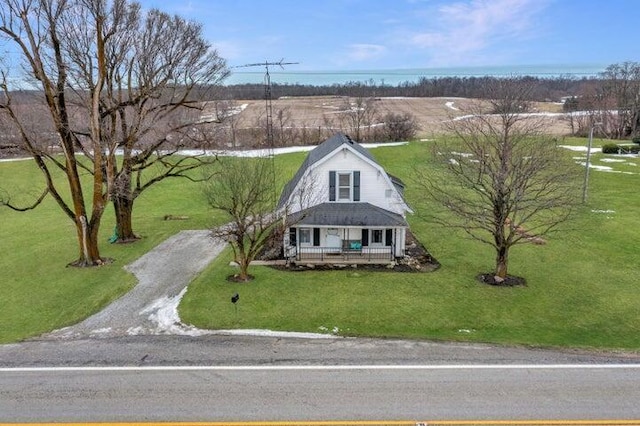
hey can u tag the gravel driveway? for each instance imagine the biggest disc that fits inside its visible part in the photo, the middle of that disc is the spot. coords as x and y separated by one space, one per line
151 306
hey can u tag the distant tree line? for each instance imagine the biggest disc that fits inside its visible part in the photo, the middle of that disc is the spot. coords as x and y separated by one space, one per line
546 89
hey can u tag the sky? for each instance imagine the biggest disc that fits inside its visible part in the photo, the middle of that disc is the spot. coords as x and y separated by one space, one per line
404 34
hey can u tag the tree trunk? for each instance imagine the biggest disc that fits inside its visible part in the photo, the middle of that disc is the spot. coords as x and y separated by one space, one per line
123 207
502 259
243 275
88 243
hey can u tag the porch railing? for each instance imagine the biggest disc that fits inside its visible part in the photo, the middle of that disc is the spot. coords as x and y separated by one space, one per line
329 254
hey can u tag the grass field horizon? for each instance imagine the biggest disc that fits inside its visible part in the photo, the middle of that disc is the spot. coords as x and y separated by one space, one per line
581 290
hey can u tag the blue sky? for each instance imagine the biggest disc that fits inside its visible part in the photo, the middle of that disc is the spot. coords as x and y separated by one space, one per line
399 34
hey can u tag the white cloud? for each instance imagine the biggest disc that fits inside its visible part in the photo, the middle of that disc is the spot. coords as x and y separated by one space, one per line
466 32
364 52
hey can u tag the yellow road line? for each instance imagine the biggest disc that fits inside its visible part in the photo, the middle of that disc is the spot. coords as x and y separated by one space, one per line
360 423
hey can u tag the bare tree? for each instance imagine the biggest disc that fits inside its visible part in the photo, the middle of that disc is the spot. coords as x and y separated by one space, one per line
500 179
620 100
244 192
358 116
114 83
161 72
36 28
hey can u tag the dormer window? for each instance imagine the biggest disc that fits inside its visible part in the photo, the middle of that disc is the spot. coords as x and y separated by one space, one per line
344 186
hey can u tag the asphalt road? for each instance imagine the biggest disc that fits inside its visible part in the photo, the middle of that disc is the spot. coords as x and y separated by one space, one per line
224 378
316 393
135 361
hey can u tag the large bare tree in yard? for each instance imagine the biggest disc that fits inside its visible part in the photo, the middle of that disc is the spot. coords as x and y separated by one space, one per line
498 177
114 81
243 189
161 71
36 29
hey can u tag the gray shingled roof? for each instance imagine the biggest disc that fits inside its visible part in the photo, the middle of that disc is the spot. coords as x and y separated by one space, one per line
398 183
315 155
346 214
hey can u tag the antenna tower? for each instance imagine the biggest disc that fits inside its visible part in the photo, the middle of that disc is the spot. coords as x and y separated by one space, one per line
269 109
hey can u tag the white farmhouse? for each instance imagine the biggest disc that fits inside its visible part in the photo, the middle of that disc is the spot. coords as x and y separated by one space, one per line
342 206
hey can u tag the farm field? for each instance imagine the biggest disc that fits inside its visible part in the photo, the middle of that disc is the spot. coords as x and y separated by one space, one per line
315 111
581 292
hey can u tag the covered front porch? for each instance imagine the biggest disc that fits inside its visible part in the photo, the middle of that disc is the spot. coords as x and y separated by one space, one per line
324 255
345 233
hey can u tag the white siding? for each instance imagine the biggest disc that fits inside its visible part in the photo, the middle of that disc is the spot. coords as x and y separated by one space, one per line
374 183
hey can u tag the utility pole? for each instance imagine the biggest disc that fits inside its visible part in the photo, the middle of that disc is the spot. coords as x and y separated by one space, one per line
585 185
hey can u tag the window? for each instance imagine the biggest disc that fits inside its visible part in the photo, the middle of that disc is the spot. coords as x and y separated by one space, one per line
305 236
376 236
344 186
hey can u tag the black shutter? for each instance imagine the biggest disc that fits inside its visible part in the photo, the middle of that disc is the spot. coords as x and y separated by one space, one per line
293 240
365 237
332 186
356 185
388 237
316 237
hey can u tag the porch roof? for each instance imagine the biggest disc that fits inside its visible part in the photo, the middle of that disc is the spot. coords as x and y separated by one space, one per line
347 214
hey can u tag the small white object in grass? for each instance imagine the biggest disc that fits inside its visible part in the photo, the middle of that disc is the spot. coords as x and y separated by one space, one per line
603 211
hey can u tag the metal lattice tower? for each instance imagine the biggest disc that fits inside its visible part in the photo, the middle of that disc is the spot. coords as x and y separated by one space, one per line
269 109
267 95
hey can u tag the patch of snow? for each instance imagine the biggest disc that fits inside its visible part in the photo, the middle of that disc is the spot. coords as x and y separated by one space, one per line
596 166
612 160
453 161
7 160
163 313
603 211
527 114
399 97
270 333
462 154
450 106
252 153
102 330
206 118
135 331
580 148
464 117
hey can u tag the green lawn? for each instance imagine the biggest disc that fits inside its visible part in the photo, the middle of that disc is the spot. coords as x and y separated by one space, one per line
582 285
38 293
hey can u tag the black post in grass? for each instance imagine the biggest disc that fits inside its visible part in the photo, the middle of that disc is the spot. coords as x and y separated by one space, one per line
234 300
